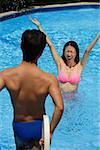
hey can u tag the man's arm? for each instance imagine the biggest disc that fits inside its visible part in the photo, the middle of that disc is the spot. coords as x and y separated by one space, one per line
55 93
2 83
88 50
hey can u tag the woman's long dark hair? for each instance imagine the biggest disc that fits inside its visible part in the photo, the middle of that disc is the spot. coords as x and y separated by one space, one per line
74 44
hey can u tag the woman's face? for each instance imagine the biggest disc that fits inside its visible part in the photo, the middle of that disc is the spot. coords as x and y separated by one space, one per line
70 53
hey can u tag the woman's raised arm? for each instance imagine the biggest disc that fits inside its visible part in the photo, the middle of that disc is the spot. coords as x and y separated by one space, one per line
50 44
88 50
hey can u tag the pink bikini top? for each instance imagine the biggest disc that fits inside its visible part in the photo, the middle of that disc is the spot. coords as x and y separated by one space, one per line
74 79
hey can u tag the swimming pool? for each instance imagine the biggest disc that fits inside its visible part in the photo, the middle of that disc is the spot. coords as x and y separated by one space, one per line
79 128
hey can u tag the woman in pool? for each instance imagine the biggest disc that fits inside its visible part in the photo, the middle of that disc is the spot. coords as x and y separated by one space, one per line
69 66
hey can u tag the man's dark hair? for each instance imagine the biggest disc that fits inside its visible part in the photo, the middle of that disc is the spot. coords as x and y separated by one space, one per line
32 45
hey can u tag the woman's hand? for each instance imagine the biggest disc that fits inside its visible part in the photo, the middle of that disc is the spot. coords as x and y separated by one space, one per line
35 21
98 36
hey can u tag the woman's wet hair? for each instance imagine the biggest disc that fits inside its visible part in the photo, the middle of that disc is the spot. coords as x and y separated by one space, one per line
32 44
74 44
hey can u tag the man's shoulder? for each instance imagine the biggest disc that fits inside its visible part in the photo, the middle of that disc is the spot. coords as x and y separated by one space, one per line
7 72
51 78
45 74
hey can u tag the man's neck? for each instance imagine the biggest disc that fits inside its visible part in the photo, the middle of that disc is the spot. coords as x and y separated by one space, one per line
31 62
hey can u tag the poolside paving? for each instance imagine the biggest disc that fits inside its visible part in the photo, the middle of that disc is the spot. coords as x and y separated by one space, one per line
5 14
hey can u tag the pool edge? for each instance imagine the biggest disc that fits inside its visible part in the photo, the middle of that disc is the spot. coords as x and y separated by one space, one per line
13 14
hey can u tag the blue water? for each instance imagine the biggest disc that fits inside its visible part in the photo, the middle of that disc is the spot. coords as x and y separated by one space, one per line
79 128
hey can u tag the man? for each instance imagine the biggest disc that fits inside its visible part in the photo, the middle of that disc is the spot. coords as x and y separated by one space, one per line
28 87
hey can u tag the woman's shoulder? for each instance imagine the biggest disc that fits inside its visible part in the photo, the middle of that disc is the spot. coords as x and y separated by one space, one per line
62 61
79 66
62 64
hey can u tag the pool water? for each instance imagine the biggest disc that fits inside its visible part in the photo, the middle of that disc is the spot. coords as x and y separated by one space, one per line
79 128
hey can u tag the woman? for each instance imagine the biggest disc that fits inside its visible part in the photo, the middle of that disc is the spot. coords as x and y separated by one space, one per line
69 66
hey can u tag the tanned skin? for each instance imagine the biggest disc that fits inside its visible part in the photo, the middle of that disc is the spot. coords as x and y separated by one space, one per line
28 87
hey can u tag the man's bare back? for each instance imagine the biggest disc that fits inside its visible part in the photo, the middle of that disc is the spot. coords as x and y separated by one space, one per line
28 87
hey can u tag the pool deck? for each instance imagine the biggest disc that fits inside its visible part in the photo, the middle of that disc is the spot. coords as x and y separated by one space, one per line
10 13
